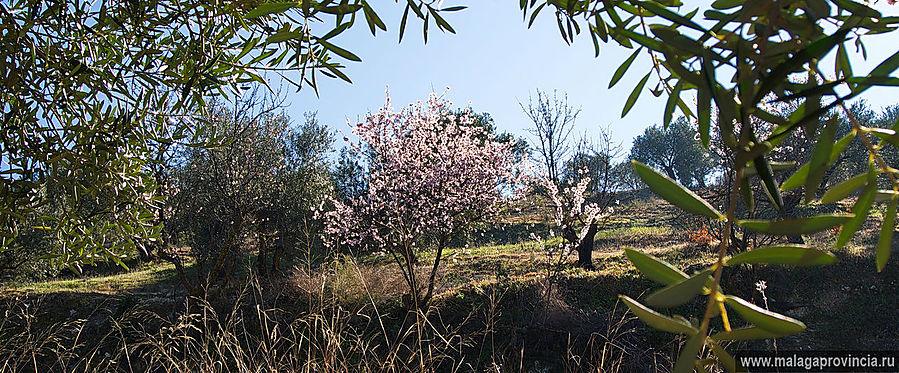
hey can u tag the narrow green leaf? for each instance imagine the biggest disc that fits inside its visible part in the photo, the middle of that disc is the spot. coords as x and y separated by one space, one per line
885 242
885 134
766 175
770 118
675 39
671 16
842 66
762 318
885 195
283 36
619 72
333 71
247 47
819 8
726 4
885 81
857 9
744 334
810 90
672 103
844 189
815 49
115 258
746 193
441 23
811 105
860 209
783 255
724 358
641 39
688 354
775 166
656 269
340 51
820 157
270 8
681 292
534 14
635 94
373 17
403 22
601 29
657 320
704 107
798 178
415 8
340 10
337 30
675 193
594 40
671 62
792 227
884 69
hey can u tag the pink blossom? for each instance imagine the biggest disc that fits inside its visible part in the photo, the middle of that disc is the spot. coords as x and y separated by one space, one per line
431 175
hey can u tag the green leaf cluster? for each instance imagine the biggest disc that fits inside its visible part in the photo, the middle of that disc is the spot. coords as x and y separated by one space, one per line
738 59
96 93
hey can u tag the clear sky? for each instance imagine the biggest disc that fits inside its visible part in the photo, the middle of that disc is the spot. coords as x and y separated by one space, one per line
494 61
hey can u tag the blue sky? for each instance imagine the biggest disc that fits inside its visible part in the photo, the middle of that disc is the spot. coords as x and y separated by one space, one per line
494 61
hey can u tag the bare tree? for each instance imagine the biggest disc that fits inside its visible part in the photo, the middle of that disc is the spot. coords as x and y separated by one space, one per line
592 159
581 184
553 121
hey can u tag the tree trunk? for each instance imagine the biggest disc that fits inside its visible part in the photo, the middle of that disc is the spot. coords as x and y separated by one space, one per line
669 170
276 256
260 259
173 258
433 275
585 249
217 268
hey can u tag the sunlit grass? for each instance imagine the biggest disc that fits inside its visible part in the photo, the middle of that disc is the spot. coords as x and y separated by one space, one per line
143 276
634 231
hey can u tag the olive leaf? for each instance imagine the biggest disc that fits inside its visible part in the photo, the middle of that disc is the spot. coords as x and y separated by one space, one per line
675 193
657 320
762 318
783 255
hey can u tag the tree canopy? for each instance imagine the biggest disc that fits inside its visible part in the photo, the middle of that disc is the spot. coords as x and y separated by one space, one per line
736 58
90 89
676 151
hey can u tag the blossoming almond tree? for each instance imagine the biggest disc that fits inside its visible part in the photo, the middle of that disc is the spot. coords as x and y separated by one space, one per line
431 176
578 216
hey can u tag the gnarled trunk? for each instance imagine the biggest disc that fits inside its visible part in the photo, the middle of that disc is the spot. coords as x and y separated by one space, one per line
585 248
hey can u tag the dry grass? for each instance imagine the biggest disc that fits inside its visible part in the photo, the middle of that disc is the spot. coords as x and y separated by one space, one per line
343 317
492 313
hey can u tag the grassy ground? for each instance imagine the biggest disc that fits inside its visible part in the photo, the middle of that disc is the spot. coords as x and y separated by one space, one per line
145 277
498 300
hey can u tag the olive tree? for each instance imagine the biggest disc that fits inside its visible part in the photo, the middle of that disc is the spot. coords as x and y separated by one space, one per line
229 187
736 57
257 193
675 150
90 88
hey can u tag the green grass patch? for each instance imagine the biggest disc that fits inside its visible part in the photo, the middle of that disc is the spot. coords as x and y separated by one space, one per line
147 275
619 232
